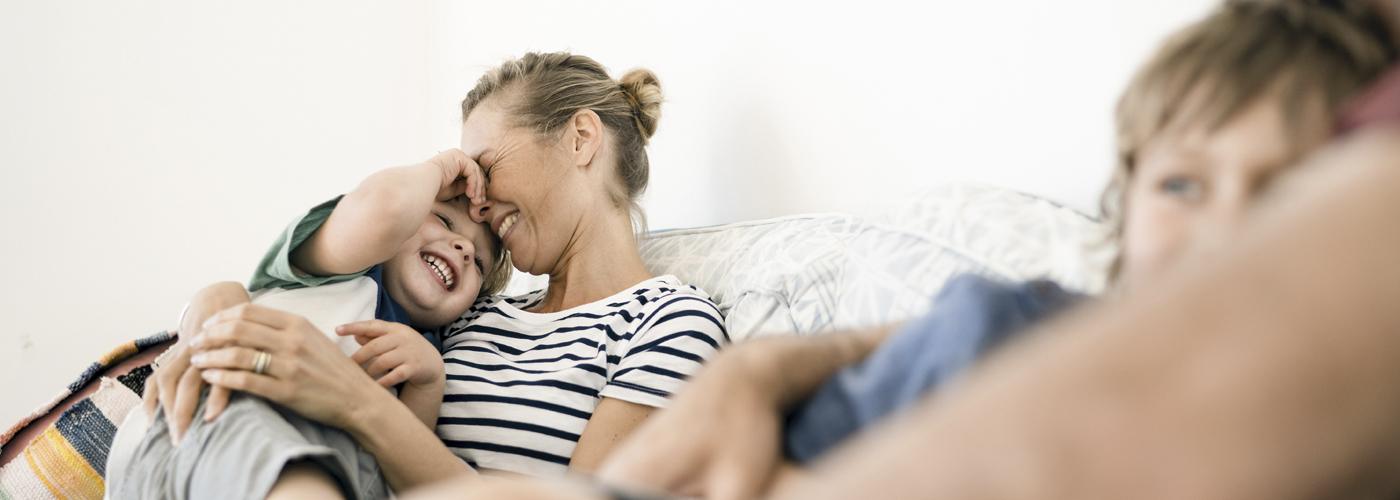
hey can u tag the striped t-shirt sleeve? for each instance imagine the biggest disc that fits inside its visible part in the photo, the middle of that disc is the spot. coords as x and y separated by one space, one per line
669 345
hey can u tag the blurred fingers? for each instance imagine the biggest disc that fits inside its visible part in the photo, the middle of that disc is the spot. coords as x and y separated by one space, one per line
239 380
181 410
217 402
233 358
237 331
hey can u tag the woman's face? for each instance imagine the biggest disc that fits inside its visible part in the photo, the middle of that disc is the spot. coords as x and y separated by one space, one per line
533 200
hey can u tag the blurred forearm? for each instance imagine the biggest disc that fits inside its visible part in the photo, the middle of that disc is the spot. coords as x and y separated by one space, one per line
1269 371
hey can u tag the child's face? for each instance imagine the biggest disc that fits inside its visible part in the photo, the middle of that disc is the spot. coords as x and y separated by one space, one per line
437 273
1193 185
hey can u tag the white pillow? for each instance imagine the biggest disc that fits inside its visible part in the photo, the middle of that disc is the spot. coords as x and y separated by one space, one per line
809 274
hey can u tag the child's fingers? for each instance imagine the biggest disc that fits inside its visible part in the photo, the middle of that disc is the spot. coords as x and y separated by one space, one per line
373 349
476 185
369 328
384 363
395 377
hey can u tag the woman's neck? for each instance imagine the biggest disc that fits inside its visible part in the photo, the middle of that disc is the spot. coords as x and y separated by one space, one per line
602 261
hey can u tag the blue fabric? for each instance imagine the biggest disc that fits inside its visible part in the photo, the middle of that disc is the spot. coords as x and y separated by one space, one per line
970 316
387 309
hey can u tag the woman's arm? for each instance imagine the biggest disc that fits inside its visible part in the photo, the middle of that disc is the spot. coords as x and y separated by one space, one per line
612 421
720 436
387 208
312 377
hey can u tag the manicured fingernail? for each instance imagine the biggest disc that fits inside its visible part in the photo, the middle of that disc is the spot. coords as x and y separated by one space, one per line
198 359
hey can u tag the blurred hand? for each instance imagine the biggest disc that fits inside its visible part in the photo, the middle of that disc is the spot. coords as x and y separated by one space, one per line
719 438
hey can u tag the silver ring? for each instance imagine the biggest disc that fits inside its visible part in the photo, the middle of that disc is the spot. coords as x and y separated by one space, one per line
262 362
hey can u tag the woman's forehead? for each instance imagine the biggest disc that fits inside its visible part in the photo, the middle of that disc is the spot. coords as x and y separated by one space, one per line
484 129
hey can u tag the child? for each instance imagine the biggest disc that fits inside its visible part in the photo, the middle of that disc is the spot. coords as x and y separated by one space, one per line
401 249
1223 108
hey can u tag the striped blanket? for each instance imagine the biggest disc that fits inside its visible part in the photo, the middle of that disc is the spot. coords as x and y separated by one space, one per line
69 459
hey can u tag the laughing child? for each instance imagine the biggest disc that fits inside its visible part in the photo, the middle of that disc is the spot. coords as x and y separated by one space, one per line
377 270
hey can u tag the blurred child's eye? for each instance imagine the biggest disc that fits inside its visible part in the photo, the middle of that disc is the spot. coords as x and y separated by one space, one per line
480 267
1182 187
445 221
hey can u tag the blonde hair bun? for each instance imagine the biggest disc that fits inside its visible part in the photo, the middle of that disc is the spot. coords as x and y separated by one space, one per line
643 91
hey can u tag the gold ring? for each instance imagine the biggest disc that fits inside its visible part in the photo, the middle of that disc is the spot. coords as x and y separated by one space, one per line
262 362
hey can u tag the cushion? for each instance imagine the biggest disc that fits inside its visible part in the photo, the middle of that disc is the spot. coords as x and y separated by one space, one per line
818 273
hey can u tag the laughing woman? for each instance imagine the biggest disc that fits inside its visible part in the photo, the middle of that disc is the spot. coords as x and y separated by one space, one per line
538 384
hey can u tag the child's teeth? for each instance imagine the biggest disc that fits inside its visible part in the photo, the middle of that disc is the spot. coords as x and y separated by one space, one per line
444 273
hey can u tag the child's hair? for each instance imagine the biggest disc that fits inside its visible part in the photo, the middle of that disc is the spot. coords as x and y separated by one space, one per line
498 276
1211 71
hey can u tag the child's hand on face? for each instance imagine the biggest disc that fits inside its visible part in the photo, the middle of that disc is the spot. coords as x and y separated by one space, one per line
398 354
460 175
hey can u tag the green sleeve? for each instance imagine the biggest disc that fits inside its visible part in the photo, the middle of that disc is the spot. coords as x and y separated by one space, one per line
275 270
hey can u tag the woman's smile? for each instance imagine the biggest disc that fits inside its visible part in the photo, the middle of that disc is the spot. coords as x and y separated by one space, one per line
505 223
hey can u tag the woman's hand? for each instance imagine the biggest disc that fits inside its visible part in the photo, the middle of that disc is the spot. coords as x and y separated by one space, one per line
312 377
460 175
307 372
175 386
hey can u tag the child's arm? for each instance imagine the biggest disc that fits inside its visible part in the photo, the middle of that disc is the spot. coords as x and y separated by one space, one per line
386 209
398 354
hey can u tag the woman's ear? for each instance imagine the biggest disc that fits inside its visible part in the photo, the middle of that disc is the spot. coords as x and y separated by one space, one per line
584 137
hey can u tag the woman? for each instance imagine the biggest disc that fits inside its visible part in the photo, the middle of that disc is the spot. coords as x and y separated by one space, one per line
537 384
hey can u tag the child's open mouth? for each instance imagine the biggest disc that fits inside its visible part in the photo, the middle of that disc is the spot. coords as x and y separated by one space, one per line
442 269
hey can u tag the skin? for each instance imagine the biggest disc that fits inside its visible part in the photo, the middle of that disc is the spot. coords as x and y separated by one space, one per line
569 228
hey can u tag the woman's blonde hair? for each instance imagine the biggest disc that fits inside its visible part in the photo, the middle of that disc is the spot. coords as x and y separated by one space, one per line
547 89
1211 71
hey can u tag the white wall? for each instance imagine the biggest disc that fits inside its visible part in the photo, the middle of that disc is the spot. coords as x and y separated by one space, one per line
149 149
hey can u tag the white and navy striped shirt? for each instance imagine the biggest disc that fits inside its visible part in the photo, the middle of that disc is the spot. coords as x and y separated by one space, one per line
521 386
